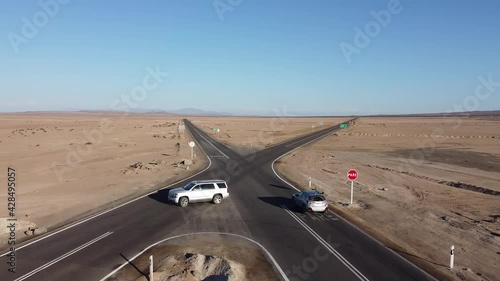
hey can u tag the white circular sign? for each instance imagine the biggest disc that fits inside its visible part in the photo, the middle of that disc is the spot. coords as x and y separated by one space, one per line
192 144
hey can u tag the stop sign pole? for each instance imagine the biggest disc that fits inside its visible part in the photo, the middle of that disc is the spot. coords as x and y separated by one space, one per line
352 175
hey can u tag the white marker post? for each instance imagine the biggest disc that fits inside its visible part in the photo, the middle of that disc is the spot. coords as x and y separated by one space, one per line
452 256
310 182
192 145
352 175
151 268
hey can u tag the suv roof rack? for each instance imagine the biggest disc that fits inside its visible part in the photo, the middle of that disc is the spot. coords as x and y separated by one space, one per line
209 181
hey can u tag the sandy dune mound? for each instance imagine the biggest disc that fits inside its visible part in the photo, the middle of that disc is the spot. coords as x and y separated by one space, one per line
196 267
201 257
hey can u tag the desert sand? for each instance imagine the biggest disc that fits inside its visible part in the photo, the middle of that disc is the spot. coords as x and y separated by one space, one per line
71 165
250 134
424 184
202 257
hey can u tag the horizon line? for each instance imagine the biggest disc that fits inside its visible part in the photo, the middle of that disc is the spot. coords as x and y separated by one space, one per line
216 114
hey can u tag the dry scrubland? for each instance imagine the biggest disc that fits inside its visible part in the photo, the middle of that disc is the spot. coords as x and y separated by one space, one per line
202 257
96 165
424 184
249 134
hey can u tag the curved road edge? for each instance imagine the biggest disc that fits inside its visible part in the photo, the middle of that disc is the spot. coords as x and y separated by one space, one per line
276 266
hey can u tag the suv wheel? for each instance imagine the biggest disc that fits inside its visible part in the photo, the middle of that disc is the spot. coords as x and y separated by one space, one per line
183 202
217 199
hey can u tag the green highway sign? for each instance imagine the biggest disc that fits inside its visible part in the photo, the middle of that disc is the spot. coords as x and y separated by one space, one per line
343 126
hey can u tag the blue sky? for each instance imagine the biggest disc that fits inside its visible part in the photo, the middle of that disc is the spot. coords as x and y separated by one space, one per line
258 57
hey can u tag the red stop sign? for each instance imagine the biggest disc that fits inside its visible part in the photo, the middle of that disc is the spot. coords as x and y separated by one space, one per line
352 174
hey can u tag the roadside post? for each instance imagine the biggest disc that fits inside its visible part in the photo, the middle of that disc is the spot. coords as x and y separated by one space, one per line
452 256
310 182
218 133
151 268
192 145
352 175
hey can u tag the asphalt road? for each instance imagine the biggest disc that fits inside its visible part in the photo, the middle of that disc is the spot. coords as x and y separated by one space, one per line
305 246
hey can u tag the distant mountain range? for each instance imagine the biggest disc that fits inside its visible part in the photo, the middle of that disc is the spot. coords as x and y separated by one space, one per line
195 111
182 111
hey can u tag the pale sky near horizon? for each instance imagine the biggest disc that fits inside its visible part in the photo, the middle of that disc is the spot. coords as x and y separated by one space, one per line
255 57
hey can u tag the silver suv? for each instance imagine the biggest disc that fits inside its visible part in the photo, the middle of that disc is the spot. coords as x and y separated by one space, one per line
199 191
311 201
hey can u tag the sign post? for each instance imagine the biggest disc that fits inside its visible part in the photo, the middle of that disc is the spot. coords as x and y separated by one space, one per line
192 145
352 175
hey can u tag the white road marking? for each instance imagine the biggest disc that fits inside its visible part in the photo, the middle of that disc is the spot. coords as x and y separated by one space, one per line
319 217
28 275
327 246
283 275
212 145
112 209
